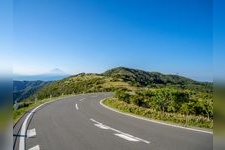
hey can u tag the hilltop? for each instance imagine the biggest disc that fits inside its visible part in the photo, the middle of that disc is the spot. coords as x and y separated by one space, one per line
142 78
120 78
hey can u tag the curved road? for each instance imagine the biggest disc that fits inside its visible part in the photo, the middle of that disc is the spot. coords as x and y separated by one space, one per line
81 123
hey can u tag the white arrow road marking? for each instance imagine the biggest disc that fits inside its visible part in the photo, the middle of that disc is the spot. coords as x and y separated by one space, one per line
31 133
35 148
102 126
94 121
128 138
82 99
77 107
119 133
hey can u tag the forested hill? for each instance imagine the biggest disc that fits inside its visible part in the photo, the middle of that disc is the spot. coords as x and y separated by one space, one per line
23 89
142 78
145 78
120 78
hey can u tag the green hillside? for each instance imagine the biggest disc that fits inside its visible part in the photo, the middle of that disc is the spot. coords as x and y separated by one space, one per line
142 78
83 83
151 94
119 78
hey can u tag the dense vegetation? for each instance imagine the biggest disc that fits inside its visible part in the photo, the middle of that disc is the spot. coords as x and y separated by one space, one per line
164 94
119 78
178 118
192 108
25 107
171 101
142 78
82 83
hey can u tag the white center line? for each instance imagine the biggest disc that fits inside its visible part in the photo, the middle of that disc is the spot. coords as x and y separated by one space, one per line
128 138
77 107
82 99
119 133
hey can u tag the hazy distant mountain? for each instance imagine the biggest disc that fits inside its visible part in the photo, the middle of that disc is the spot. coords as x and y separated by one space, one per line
55 74
57 71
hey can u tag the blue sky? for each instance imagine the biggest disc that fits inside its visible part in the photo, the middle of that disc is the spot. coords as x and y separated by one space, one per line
172 37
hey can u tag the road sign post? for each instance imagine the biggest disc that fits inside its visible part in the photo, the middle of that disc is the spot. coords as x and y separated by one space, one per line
16 105
35 99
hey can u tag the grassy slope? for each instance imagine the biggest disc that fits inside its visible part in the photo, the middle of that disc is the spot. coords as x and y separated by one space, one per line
119 78
111 80
83 83
195 121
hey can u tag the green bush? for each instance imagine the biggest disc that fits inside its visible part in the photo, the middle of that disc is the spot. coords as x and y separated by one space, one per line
190 120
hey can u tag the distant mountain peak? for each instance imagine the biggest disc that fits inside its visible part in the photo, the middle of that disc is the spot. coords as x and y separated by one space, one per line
55 74
57 71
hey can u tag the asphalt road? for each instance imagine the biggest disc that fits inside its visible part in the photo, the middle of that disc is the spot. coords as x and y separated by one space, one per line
81 123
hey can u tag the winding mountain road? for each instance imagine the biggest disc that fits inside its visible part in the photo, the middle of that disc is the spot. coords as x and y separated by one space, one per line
81 123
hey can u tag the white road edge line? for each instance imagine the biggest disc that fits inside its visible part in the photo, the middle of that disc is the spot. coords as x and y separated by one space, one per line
121 134
158 122
82 99
35 148
77 107
24 125
23 129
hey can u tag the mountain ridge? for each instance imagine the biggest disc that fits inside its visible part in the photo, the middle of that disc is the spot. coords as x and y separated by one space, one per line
120 78
154 77
23 89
